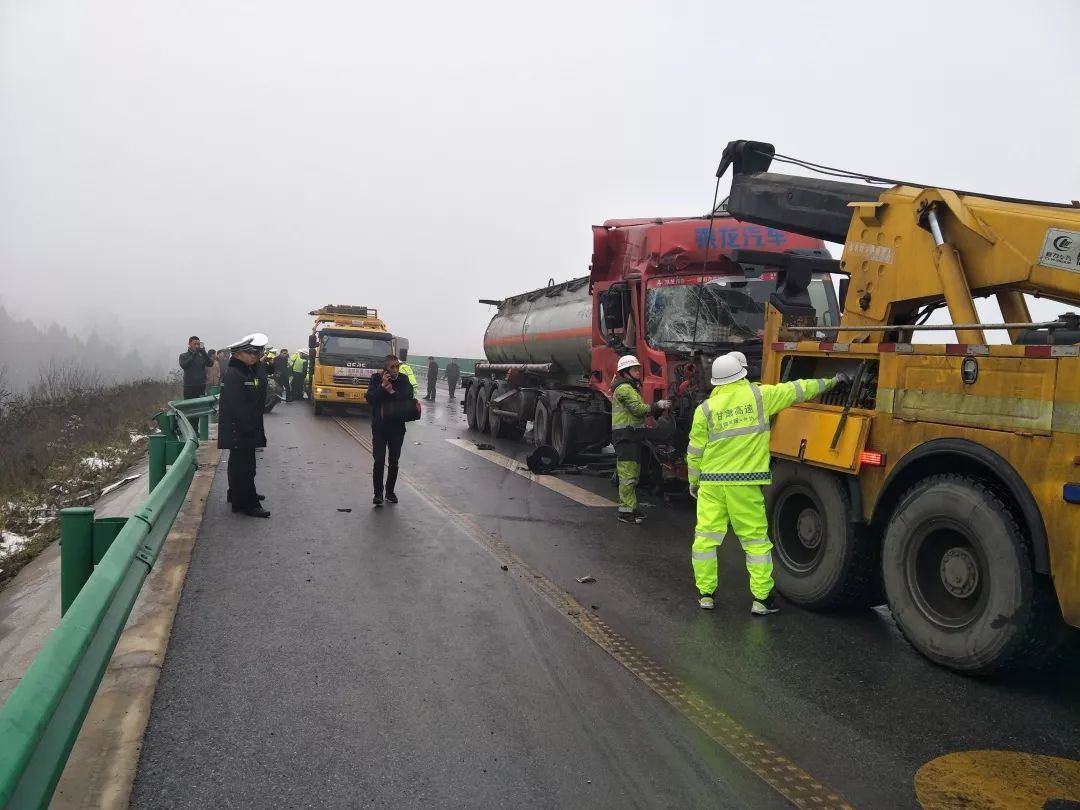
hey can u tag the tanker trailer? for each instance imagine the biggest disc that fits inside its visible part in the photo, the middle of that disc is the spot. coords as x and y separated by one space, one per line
538 347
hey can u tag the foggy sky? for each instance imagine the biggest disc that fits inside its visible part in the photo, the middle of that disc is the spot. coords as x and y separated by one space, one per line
224 167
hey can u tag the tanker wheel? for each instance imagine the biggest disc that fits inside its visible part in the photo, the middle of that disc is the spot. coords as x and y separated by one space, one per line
542 423
499 426
821 560
562 434
960 583
483 406
470 404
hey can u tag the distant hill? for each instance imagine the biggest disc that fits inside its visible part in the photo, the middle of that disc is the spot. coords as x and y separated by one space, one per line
26 350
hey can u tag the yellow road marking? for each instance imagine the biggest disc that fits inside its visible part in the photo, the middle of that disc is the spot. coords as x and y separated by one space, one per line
552 482
758 755
996 780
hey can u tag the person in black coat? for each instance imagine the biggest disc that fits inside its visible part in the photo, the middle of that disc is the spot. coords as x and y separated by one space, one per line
240 425
195 361
390 395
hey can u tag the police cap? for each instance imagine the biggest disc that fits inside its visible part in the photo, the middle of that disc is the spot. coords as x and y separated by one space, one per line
254 343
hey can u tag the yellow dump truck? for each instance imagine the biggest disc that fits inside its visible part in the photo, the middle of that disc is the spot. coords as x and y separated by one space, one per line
947 476
348 344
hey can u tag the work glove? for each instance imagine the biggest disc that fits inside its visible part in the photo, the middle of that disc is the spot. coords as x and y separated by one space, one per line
693 491
843 378
664 404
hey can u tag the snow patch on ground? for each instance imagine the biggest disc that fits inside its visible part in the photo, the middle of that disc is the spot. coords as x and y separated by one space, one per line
99 463
10 545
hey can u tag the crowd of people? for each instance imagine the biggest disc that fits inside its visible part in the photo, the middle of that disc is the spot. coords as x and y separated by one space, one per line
727 456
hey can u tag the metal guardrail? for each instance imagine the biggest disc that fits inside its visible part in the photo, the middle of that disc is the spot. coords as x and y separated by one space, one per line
42 718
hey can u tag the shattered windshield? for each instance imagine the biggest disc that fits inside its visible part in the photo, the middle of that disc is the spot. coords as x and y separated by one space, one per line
724 310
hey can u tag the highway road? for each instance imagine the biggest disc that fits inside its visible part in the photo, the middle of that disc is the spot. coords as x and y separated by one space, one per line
442 652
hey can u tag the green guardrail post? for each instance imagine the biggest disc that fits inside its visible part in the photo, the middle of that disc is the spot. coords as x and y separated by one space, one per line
172 450
105 531
204 427
157 458
76 552
215 390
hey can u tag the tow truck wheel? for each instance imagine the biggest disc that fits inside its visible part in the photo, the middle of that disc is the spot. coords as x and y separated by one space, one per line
483 399
960 582
470 404
542 423
820 559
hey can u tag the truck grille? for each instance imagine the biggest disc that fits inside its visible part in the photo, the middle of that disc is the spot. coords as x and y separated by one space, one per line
352 382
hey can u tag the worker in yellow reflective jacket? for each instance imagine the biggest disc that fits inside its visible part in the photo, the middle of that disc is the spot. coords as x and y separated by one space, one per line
628 412
728 464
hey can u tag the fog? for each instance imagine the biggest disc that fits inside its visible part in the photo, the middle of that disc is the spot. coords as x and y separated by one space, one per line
213 168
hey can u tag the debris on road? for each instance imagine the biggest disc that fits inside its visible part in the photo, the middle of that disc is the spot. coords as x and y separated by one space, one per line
504 567
344 510
484 446
586 578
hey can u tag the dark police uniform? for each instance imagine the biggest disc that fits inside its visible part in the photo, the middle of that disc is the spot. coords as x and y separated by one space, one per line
240 429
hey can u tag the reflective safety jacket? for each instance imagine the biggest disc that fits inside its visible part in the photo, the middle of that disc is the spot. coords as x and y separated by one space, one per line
297 364
729 439
410 375
628 410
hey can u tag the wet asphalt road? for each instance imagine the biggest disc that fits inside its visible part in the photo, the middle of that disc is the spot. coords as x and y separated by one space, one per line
382 657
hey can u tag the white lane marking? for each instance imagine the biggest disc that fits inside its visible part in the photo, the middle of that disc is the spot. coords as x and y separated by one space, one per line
552 482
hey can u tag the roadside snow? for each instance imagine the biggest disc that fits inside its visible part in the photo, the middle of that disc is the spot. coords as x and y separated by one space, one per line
98 463
11 543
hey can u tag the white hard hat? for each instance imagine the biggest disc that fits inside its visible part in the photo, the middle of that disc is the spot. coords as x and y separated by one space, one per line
727 369
740 357
627 361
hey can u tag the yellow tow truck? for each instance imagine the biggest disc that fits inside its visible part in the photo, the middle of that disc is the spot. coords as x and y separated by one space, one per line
946 477
347 345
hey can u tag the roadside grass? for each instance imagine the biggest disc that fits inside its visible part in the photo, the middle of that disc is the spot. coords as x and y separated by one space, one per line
61 443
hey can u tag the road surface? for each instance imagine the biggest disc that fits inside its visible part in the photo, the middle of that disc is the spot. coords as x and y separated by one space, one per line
441 652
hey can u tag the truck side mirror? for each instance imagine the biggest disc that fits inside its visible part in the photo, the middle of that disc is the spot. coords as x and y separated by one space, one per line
312 342
612 310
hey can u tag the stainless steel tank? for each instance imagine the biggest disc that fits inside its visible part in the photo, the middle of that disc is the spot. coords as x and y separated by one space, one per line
549 325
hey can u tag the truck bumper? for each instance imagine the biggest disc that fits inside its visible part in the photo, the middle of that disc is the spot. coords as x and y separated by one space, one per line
353 395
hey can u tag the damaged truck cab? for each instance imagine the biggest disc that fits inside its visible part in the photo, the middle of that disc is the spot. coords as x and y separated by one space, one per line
674 292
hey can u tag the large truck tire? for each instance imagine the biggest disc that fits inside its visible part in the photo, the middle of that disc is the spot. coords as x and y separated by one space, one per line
483 400
958 575
500 427
562 430
821 559
542 422
470 404
318 407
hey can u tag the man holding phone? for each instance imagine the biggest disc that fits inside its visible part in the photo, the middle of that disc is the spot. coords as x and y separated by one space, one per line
393 403
195 361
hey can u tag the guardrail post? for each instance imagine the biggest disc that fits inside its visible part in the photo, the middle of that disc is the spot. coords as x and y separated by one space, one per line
172 450
216 391
167 423
105 531
204 427
157 459
76 552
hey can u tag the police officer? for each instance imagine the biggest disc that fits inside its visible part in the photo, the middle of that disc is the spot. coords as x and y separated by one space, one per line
628 412
728 464
240 427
